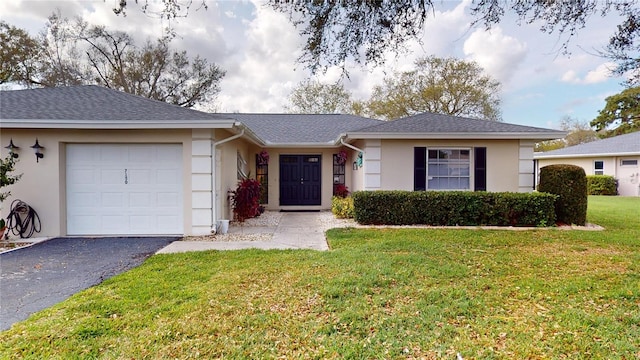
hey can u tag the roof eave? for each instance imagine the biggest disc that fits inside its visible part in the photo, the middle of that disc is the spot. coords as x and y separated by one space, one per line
566 156
116 124
460 135
317 145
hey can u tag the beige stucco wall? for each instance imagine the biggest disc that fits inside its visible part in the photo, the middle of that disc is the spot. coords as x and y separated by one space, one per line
227 156
357 176
586 163
628 176
42 185
502 162
249 152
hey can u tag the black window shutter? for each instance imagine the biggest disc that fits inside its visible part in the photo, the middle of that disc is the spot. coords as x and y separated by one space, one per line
419 168
480 169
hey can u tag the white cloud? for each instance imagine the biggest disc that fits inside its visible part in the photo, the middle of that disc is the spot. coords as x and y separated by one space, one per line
264 75
499 54
600 74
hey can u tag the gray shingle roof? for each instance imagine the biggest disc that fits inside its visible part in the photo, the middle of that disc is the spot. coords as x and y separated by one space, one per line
440 123
622 144
301 128
94 106
90 102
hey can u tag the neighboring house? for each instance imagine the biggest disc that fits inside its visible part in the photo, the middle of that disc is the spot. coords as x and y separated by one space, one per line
117 164
618 156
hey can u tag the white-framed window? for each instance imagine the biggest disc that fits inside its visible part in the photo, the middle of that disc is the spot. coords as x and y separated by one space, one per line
448 169
598 167
629 162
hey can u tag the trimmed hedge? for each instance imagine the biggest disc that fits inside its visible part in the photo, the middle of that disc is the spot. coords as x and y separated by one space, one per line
453 208
569 182
602 185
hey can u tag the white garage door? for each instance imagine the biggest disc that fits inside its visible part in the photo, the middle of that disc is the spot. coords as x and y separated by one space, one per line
124 189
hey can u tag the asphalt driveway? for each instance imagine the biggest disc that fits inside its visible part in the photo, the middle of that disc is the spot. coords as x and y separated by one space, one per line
34 278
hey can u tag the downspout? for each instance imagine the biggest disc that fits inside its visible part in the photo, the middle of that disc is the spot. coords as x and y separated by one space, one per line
214 173
350 146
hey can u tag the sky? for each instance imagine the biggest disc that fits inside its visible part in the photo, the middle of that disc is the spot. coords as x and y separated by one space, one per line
258 48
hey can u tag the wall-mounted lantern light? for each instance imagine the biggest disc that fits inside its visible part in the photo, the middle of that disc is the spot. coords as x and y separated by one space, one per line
38 149
355 165
12 149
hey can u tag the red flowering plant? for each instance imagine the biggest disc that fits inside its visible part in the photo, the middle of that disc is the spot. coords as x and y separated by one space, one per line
342 157
341 191
263 157
246 200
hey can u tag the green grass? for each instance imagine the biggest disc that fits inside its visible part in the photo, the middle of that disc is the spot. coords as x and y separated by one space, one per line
379 294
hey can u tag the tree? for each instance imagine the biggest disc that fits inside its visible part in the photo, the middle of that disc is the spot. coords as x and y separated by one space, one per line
621 114
313 97
363 30
17 54
74 53
579 132
446 86
339 30
61 62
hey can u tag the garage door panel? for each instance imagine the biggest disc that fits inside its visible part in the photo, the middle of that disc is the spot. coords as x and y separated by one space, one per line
124 189
112 177
83 199
112 199
139 223
140 177
167 199
141 153
112 153
83 223
82 176
169 154
140 200
168 177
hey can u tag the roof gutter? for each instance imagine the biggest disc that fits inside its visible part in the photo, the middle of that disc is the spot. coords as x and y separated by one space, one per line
116 124
349 145
541 156
230 138
461 136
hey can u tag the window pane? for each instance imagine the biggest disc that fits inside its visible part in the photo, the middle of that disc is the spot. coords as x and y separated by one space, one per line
448 169
435 184
464 183
599 165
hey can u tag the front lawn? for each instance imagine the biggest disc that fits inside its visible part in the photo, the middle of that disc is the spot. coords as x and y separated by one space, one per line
403 293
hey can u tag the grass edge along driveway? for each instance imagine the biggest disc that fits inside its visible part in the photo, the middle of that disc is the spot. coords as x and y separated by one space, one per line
388 294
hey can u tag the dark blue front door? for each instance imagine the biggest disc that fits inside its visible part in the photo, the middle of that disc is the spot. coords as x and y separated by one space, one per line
300 179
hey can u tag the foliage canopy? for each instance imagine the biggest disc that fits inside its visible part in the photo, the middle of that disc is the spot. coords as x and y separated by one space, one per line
620 115
445 86
72 52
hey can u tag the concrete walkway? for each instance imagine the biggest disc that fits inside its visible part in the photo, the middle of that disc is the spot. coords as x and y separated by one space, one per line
296 230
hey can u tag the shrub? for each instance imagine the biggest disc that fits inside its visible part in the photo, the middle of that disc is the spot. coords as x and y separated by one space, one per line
602 185
246 200
341 191
342 207
7 166
569 182
451 208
